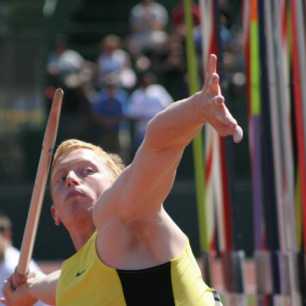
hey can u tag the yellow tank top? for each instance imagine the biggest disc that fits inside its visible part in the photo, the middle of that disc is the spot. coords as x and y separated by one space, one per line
86 281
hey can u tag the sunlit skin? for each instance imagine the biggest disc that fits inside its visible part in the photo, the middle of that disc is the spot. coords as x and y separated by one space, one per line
133 229
78 180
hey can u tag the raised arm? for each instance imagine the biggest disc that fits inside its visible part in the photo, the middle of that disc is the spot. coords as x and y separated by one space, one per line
179 123
144 185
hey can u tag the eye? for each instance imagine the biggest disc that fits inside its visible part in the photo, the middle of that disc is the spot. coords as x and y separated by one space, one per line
89 170
60 177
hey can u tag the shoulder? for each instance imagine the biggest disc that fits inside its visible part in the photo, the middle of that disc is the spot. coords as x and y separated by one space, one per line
159 91
136 94
158 6
120 53
83 252
160 9
136 10
156 88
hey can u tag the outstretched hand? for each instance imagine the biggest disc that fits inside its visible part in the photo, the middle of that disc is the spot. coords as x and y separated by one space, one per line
214 109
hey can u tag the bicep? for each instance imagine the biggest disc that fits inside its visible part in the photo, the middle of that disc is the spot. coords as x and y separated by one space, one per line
148 182
142 187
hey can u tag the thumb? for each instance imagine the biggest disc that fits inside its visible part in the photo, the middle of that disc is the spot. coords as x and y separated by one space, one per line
238 134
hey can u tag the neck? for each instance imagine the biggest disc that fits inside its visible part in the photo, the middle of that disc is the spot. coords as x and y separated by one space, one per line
80 235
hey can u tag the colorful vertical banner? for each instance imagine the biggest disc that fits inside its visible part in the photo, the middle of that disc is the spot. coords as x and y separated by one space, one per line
297 26
193 81
213 182
271 151
252 45
299 91
279 102
217 170
217 186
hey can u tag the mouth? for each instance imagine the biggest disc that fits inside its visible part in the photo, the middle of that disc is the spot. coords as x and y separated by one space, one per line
75 193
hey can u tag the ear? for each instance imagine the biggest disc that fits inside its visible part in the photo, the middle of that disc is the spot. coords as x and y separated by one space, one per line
56 219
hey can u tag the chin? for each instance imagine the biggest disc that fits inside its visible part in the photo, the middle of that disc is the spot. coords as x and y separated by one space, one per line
80 201
79 207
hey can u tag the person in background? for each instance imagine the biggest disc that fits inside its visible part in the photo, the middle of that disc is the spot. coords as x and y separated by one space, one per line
9 255
107 110
64 62
148 21
68 69
145 102
114 60
178 17
173 69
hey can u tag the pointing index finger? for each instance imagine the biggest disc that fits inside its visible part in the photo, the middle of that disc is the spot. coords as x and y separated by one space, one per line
212 79
211 65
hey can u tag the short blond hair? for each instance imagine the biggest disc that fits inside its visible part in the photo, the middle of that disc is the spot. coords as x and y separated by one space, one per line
112 161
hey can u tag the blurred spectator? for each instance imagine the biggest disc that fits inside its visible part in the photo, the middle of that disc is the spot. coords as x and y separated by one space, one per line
108 106
148 20
178 17
65 65
66 68
9 256
114 60
147 100
225 35
173 68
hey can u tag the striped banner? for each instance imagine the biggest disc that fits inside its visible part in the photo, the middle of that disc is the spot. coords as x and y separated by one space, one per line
193 81
297 24
252 43
213 182
279 101
299 88
218 195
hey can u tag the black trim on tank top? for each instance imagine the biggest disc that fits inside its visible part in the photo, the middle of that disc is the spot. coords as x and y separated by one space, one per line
149 287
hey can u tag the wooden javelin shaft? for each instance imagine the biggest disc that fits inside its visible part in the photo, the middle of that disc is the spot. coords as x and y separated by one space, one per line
40 183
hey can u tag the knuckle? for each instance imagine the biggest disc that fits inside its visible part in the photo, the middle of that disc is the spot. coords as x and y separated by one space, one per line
219 98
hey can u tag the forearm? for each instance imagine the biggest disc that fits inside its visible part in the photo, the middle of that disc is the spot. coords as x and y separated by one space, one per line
177 125
44 287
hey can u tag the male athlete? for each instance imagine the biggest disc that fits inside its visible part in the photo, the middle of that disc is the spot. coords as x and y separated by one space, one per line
129 250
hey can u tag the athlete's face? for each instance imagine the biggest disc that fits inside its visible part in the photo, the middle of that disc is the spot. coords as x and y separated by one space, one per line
78 180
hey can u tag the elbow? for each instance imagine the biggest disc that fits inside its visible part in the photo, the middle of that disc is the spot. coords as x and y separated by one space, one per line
150 129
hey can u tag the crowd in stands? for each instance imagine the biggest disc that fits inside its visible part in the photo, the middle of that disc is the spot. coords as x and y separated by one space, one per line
110 101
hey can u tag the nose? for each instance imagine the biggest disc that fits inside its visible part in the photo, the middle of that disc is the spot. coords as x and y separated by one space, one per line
72 179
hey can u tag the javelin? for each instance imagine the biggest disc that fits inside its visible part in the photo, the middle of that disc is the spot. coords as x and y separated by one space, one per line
40 183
